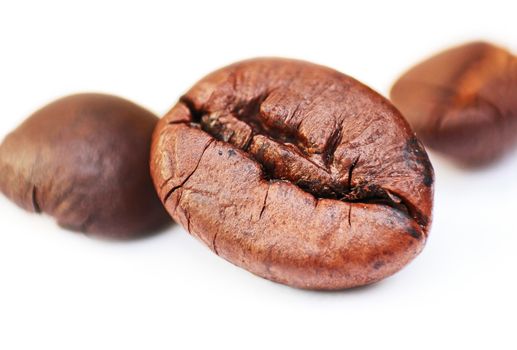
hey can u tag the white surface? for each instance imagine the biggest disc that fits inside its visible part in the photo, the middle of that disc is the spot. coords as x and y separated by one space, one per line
60 290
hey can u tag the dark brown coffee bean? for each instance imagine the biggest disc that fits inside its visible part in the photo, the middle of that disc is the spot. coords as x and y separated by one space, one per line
84 159
295 172
462 102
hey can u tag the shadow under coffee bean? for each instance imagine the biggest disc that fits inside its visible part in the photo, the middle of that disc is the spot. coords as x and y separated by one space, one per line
295 172
84 160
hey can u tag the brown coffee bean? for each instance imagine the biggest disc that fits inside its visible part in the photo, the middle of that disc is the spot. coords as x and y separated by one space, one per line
295 172
462 102
84 159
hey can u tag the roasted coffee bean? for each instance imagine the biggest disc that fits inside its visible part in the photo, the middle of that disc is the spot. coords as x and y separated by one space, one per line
462 102
295 172
84 159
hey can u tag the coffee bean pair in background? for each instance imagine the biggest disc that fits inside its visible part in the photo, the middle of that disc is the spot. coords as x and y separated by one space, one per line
293 171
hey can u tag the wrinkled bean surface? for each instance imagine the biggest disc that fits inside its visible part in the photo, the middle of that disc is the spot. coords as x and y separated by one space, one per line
296 172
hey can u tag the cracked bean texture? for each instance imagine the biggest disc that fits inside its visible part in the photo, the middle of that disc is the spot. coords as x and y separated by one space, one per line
295 172
84 160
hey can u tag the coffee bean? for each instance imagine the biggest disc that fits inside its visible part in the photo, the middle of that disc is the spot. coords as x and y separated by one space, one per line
325 177
462 102
84 160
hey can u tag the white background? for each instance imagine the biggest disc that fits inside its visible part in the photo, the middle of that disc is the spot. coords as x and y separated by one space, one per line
61 290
